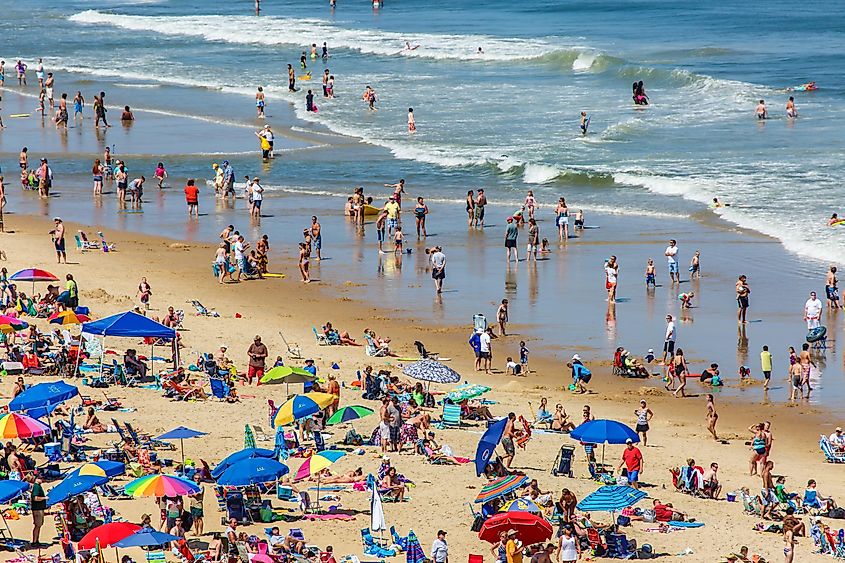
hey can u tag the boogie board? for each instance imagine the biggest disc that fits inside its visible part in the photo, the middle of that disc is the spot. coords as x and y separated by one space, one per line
371 210
19 115
273 275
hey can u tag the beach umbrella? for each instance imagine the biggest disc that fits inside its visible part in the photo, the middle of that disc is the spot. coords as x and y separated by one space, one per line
252 471
466 391
33 275
521 505
181 433
145 538
249 437
377 521
500 487
73 485
161 485
300 406
287 375
347 414
101 468
611 498
603 432
43 395
68 317
108 534
15 425
530 528
8 324
431 371
9 491
415 553
239 455
487 445
315 464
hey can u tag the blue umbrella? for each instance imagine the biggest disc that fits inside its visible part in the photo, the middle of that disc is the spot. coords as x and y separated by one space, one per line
42 396
487 445
73 485
110 468
145 537
238 456
181 433
604 431
611 498
10 490
252 471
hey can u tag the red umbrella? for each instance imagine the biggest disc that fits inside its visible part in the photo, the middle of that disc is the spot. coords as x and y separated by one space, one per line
108 534
530 528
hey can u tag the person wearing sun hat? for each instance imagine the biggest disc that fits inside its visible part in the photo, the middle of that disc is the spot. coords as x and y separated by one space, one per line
513 549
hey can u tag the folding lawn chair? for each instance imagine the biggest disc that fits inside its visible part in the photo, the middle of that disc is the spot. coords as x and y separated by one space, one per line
451 415
322 340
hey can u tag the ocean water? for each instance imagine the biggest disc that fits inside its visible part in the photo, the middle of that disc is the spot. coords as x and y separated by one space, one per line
505 119
508 118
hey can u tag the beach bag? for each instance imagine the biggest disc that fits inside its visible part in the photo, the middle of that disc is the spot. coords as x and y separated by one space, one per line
623 520
649 515
353 438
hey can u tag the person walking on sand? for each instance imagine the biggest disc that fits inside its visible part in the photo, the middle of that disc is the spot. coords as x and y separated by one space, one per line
511 234
644 416
681 372
257 353
806 363
742 293
144 293
766 366
671 254
58 236
758 448
611 277
669 340
632 460
711 416
438 268
813 311
533 246
486 349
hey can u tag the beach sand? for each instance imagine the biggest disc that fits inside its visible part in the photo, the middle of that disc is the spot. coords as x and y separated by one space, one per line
178 272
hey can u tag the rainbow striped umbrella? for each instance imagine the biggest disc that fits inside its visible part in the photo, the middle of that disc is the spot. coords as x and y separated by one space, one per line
300 406
317 463
160 485
14 425
33 275
500 487
9 324
68 317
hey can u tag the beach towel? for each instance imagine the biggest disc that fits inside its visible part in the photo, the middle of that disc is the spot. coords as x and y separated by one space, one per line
344 517
678 524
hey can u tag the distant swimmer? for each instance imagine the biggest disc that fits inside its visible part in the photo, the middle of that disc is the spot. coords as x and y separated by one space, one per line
313 51
325 54
806 87
639 95
480 51
835 220
761 111
291 79
790 107
717 203
412 124
585 122
302 59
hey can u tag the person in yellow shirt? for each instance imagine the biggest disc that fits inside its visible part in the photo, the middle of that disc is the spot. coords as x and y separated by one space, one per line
392 209
513 549
766 365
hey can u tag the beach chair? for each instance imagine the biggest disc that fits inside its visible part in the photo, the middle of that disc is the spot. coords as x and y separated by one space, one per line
374 351
220 496
294 352
202 310
86 244
618 547
319 441
525 436
322 340
373 547
105 245
261 434
79 246
156 557
451 415
177 391
219 389
146 440
829 453
402 542
595 540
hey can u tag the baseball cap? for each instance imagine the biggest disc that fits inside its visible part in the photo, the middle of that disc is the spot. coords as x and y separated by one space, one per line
629 441
576 357
510 219
441 533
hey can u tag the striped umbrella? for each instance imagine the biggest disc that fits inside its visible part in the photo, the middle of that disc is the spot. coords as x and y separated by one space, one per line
350 413
300 406
249 437
160 485
68 317
317 463
521 505
415 552
33 275
500 487
611 498
8 324
15 425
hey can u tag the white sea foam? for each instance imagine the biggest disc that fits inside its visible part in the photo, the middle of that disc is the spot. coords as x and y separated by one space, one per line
272 30
540 173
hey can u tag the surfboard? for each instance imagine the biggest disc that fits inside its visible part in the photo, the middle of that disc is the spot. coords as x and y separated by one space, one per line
19 115
273 275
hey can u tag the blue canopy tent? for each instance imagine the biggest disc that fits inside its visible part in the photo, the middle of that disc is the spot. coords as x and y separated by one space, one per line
41 399
181 433
131 325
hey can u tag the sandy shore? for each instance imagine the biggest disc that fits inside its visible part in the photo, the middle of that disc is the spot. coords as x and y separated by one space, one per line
178 272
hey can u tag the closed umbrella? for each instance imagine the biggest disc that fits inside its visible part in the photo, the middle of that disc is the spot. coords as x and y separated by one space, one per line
249 437
181 433
252 471
500 487
432 371
377 521
415 552
487 444
530 528
237 456
300 406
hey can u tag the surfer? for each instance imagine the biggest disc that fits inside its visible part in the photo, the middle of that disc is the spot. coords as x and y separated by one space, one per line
790 107
585 122
761 111
325 54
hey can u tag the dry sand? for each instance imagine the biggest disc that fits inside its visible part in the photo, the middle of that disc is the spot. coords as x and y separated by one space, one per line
179 272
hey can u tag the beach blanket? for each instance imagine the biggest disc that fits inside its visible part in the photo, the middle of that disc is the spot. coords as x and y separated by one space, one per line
344 517
329 488
677 524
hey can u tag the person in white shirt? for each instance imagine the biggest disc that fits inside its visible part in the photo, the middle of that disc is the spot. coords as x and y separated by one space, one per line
669 340
440 549
486 349
240 247
438 268
813 311
837 440
671 254
257 197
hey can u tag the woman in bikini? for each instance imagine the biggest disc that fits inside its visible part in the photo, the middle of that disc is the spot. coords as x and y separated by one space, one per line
562 219
420 211
712 416
471 208
303 263
681 372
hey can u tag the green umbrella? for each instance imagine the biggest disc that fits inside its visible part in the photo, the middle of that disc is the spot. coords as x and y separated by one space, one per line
287 375
347 414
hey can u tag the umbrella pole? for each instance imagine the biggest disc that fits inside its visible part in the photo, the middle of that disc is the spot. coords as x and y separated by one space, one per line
153 358
182 446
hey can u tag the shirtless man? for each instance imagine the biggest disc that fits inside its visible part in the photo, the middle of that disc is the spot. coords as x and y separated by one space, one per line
742 292
831 289
508 437
48 85
761 111
291 79
316 235
806 363
398 190
790 107
480 202
767 490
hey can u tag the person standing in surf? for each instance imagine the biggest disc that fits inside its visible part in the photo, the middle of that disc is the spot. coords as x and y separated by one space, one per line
470 208
671 254
259 102
761 111
585 122
790 107
480 202
412 124
291 79
562 219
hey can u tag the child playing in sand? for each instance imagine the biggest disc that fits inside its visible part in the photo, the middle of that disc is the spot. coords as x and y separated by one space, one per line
398 241
649 274
686 299
512 367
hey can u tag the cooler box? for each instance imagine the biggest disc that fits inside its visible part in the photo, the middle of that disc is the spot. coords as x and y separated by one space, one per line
53 450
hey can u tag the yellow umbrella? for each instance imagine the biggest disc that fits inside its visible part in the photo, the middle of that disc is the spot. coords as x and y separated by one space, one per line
300 406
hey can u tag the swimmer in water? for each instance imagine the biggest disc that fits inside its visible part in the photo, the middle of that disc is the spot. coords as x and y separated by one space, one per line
313 50
761 111
325 54
302 59
790 107
584 123
480 51
834 220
